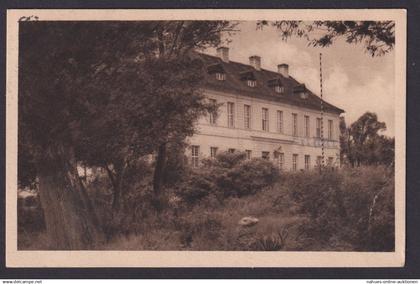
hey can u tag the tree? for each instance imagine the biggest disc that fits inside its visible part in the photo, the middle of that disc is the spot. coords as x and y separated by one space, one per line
345 144
378 37
104 93
54 67
361 143
177 82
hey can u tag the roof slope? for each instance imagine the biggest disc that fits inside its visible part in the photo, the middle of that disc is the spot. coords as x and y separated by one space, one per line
234 84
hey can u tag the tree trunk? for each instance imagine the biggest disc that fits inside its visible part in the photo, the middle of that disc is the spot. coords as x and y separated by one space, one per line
158 173
70 218
116 182
116 196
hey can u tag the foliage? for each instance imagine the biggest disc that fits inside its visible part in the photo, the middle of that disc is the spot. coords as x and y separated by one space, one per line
382 220
343 205
176 167
378 37
101 88
318 196
229 174
104 94
272 242
362 145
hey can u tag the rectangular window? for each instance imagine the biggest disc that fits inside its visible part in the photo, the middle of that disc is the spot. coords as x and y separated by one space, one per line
213 152
279 89
252 83
220 76
330 129
279 121
247 116
281 161
231 114
265 119
330 161
231 150
265 155
307 126
279 158
295 124
248 154
318 128
295 162
307 162
212 115
194 155
319 161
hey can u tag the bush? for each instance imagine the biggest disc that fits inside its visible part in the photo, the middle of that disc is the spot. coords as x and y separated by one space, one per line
248 177
228 175
272 242
351 206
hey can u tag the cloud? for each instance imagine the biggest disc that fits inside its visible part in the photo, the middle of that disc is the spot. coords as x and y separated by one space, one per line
376 95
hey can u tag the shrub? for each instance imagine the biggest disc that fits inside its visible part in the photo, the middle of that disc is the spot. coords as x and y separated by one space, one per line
351 206
197 186
272 242
229 174
248 177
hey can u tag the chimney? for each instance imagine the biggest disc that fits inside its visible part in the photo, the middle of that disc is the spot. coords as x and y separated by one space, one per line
255 61
283 69
223 53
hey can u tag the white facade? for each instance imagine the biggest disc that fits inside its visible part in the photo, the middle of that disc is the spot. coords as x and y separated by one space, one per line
281 144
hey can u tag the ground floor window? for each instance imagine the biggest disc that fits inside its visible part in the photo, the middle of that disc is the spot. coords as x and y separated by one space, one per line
295 162
307 162
194 155
265 155
330 161
231 150
248 154
281 161
213 152
318 161
279 157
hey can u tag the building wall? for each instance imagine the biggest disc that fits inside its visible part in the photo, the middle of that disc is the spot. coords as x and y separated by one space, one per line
257 140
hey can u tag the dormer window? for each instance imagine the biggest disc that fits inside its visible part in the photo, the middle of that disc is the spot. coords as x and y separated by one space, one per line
252 83
303 95
218 71
249 77
279 89
220 76
301 91
276 85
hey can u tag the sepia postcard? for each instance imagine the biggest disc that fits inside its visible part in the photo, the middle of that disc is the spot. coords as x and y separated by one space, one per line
205 138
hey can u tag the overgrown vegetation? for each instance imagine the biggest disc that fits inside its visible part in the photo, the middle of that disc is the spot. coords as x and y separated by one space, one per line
348 209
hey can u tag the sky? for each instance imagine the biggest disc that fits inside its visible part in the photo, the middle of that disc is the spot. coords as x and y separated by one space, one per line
352 79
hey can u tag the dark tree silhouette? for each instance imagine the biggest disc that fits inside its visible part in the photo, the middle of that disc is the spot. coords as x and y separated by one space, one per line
361 143
103 94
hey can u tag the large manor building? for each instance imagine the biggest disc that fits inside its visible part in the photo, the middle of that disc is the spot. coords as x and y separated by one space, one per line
266 114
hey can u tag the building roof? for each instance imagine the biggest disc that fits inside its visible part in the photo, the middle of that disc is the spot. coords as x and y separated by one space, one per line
237 72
